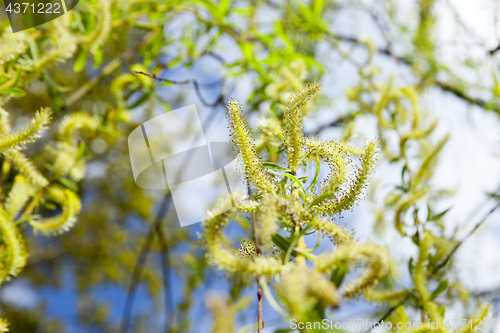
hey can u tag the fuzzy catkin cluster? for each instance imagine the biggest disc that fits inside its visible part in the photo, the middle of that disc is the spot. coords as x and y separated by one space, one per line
30 186
64 158
286 208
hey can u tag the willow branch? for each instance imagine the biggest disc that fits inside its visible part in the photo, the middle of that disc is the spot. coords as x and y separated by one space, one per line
441 265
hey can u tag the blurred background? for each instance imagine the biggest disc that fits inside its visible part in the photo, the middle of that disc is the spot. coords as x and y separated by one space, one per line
128 266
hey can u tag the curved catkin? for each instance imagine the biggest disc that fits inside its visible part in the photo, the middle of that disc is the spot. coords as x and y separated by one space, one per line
248 156
222 313
419 277
75 122
477 318
14 258
374 256
360 181
336 156
12 45
64 157
293 289
63 50
26 167
18 196
221 255
70 204
268 217
323 289
101 32
27 133
404 206
427 167
336 233
302 287
270 208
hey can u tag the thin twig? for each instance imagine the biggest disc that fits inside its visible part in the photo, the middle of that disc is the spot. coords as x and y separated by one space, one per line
197 85
443 85
259 301
388 313
382 29
448 257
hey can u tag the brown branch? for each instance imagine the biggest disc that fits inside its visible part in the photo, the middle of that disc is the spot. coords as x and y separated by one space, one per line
388 313
196 84
382 29
461 94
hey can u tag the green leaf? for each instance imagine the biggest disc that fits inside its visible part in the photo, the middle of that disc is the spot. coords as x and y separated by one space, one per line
270 298
303 179
80 62
82 149
35 52
316 175
274 166
411 267
443 285
68 183
338 274
296 235
437 216
318 7
294 179
47 204
282 243
17 92
415 240
317 201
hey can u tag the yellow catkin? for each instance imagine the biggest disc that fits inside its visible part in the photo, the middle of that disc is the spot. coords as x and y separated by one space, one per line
4 325
27 133
74 122
26 167
18 196
292 120
375 257
222 314
14 252
241 135
71 206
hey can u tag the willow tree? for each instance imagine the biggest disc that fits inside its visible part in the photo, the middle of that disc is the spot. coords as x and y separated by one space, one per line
71 92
